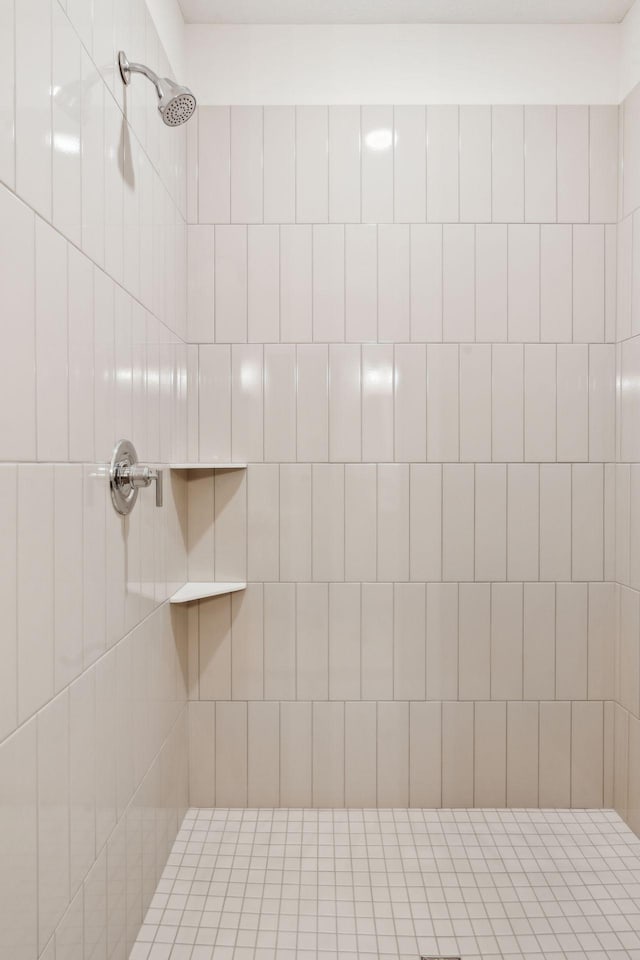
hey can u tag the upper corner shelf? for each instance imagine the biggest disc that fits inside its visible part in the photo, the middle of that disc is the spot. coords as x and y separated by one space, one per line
207 466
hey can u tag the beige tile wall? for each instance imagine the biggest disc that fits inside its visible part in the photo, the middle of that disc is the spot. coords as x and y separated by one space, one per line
93 725
626 746
404 319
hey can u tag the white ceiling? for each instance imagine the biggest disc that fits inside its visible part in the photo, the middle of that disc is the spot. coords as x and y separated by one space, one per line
404 11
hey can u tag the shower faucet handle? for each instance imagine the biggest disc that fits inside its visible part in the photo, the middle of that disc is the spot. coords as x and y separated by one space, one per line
127 476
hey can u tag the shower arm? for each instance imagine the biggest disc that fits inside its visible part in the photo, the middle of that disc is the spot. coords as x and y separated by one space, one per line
126 69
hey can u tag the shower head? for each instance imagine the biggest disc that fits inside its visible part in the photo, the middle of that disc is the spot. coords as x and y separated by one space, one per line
176 104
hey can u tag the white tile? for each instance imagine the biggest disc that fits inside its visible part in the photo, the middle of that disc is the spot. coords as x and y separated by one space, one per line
393 754
33 30
506 641
475 402
296 265
409 646
377 641
344 641
475 164
7 110
214 157
328 283
587 743
474 613
200 283
426 282
279 164
344 402
35 577
539 402
214 393
246 402
587 498
53 815
540 164
490 749
114 204
67 121
409 164
629 151
555 754
425 542
94 564
393 282
312 641
263 547
491 282
442 641
623 521
378 402
247 649
295 754
295 522
457 754
18 795
491 521
246 164
263 284
539 636
68 575
280 402
279 641
344 164
425 748
377 136
313 402
573 164
231 284
556 294
507 402
82 791
442 402
555 521
458 282
328 513
610 281
92 167
8 598
507 141
571 641
361 282
51 344
202 769
442 164
393 521
312 164
602 613
17 369
603 164
588 284
457 521
522 754
524 283
328 754
231 754
230 525
624 277
360 521
410 376
522 521
573 406
360 754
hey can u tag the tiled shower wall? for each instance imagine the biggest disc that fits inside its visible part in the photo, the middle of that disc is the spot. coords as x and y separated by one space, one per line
93 662
405 322
627 555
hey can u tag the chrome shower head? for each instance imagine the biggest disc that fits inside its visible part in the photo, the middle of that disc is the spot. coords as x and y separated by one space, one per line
176 103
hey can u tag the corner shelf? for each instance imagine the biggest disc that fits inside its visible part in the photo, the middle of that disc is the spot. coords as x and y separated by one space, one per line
198 591
207 466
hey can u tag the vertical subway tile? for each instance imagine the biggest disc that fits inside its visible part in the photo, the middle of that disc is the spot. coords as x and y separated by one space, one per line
522 754
425 506
588 284
263 284
8 599
296 295
442 164
409 647
214 394
279 641
360 534
556 296
312 165
410 375
571 641
312 641
442 641
475 164
344 164
393 521
295 754
280 402
587 741
426 282
425 754
491 282
344 641
524 282
506 641
214 156
393 282
539 402
345 413
490 749
52 340
312 414
231 284
539 635
361 282
555 754
231 754
247 402
522 521
573 164
247 647
458 282
393 754
200 283
360 749
328 283
328 526
214 637
33 104
457 754
474 614
491 521
475 402
328 754
295 522
378 402
507 127
279 165
377 135
377 641
507 402
555 521
409 164
540 164
603 164
572 416
587 534
442 402
457 521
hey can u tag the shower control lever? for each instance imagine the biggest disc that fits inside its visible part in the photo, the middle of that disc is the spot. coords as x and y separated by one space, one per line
127 476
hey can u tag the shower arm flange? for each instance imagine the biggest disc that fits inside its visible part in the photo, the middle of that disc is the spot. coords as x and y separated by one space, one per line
126 69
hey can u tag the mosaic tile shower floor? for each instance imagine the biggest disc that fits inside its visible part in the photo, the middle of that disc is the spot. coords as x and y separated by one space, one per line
391 884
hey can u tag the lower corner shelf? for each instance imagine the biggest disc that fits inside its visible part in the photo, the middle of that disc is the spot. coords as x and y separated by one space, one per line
198 591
